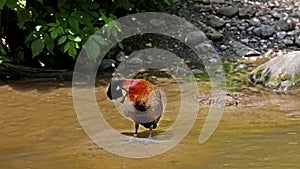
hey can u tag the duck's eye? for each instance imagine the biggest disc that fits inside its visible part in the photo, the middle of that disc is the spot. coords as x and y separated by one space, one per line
118 88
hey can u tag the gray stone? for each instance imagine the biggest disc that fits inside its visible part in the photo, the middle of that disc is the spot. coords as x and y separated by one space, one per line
246 12
246 40
213 34
215 21
285 24
296 14
279 15
255 22
241 66
281 35
195 37
264 31
297 39
197 71
288 41
228 11
241 49
223 47
281 72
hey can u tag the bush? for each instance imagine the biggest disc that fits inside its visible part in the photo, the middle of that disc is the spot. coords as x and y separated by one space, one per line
38 32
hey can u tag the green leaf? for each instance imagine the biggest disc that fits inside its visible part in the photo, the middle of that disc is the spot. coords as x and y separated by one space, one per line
67 46
121 46
49 42
37 47
74 24
4 59
61 3
52 24
2 3
12 4
71 38
99 39
57 22
30 37
72 52
60 30
92 49
62 40
149 44
54 34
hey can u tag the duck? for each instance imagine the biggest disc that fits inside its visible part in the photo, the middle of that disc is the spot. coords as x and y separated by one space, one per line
142 102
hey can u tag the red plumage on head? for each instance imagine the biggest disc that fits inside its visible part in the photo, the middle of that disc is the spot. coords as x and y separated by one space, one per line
139 90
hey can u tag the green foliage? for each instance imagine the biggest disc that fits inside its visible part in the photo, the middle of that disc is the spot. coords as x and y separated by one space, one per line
62 27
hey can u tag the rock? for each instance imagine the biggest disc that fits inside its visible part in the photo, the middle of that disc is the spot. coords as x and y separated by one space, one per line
279 15
285 24
195 37
282 72
215 21
281 35
241 49
246 40
107 63
214 35
297 39
288 41
255 22
223 47
207 52
296 14
241 66
246 12
228 11
264 31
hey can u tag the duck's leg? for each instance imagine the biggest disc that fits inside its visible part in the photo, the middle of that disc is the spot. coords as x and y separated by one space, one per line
150 130
136 130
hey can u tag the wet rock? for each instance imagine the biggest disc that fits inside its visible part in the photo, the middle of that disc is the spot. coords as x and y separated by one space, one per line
228 11
264 31
282 72
215 21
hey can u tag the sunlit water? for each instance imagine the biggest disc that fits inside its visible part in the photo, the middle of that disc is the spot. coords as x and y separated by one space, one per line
39 129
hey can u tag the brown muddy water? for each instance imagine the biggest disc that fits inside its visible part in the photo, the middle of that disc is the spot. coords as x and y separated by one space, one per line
39 129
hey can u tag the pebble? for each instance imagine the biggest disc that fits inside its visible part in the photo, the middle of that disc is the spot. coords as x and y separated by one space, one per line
288 41
281 35
228 11
246 40
276 23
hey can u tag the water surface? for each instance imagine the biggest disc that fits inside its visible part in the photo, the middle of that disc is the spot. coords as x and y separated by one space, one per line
39 129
